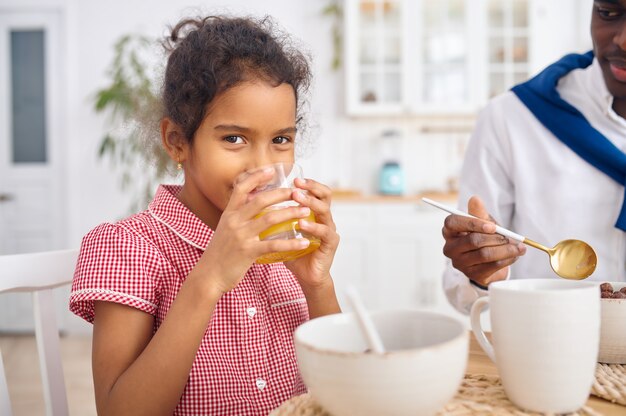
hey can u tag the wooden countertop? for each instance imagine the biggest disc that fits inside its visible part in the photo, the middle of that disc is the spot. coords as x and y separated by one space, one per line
479 363
347 195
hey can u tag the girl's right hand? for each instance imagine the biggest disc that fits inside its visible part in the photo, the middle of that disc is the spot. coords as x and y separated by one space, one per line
474 247
235 244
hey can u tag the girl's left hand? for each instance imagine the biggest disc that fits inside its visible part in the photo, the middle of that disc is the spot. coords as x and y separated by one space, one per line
313 270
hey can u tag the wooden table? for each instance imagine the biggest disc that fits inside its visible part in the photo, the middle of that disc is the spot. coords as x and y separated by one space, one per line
479 363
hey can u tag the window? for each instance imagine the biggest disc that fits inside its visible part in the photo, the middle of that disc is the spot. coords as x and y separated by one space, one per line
28 96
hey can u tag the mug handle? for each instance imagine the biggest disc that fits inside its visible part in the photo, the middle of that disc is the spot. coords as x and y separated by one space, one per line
477 329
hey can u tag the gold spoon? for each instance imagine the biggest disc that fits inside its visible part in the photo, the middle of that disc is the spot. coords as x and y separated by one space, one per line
570 259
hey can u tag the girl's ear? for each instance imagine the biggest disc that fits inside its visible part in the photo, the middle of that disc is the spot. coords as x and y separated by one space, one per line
173 140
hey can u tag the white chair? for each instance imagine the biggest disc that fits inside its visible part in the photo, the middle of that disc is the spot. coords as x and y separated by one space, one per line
40 273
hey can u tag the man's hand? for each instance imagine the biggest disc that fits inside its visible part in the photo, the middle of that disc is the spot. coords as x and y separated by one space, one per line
474 247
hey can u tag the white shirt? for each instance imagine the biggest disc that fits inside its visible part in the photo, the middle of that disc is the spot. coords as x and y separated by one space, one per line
536 186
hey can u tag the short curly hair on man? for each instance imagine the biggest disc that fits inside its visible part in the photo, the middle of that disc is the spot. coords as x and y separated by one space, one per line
209 55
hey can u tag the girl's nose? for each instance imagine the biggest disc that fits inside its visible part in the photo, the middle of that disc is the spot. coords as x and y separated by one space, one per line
262 159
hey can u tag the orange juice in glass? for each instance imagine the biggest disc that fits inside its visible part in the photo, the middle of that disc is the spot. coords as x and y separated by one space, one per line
284 176
285 230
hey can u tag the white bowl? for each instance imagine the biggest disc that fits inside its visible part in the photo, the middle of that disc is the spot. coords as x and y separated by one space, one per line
613 329
420 372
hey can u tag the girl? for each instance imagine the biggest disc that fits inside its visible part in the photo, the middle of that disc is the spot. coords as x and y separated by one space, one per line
184 321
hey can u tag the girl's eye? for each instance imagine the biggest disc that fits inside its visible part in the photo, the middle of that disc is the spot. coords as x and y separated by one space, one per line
281 140
234 139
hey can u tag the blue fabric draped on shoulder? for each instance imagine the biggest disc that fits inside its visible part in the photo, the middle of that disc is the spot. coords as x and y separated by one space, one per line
568 124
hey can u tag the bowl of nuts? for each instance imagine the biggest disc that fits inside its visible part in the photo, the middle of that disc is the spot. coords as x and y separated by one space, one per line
612 332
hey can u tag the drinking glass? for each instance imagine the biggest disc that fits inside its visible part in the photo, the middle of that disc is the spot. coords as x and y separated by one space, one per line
283 177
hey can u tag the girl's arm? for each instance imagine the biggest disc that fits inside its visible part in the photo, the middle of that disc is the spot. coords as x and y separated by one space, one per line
313 270
136 373
321 300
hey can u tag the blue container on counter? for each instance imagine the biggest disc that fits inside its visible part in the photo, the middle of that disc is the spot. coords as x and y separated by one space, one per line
391 179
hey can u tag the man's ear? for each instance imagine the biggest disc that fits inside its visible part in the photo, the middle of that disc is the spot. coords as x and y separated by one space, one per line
173 140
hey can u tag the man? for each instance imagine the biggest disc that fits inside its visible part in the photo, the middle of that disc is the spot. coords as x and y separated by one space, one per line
548 162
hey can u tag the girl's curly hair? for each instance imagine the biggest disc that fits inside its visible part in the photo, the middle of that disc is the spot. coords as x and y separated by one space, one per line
212 54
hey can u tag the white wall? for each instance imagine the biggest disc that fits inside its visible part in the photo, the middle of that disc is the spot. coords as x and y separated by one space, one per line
90 30
346 149
572 34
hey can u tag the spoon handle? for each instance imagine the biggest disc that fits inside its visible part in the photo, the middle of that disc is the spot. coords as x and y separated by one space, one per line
499 230
365 322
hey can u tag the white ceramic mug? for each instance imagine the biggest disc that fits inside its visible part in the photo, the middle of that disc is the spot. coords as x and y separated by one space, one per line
545 335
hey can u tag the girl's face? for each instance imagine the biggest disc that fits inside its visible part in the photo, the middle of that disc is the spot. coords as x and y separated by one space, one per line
247 126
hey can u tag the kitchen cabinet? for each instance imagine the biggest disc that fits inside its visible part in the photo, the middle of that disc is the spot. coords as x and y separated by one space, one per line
449 56
391 252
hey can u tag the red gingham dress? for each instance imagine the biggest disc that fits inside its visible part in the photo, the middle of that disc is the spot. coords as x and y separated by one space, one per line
246 363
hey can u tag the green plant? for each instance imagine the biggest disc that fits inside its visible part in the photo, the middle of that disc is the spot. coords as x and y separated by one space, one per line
334 10
132 102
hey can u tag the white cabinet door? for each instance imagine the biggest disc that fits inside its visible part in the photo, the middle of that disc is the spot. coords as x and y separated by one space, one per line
450 56
375 60
410 258
392 253
352 264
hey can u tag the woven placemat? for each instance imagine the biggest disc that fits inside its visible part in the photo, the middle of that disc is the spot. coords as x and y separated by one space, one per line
478 395
484 395
610 383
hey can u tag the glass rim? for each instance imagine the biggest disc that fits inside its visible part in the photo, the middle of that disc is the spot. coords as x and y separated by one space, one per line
286 170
